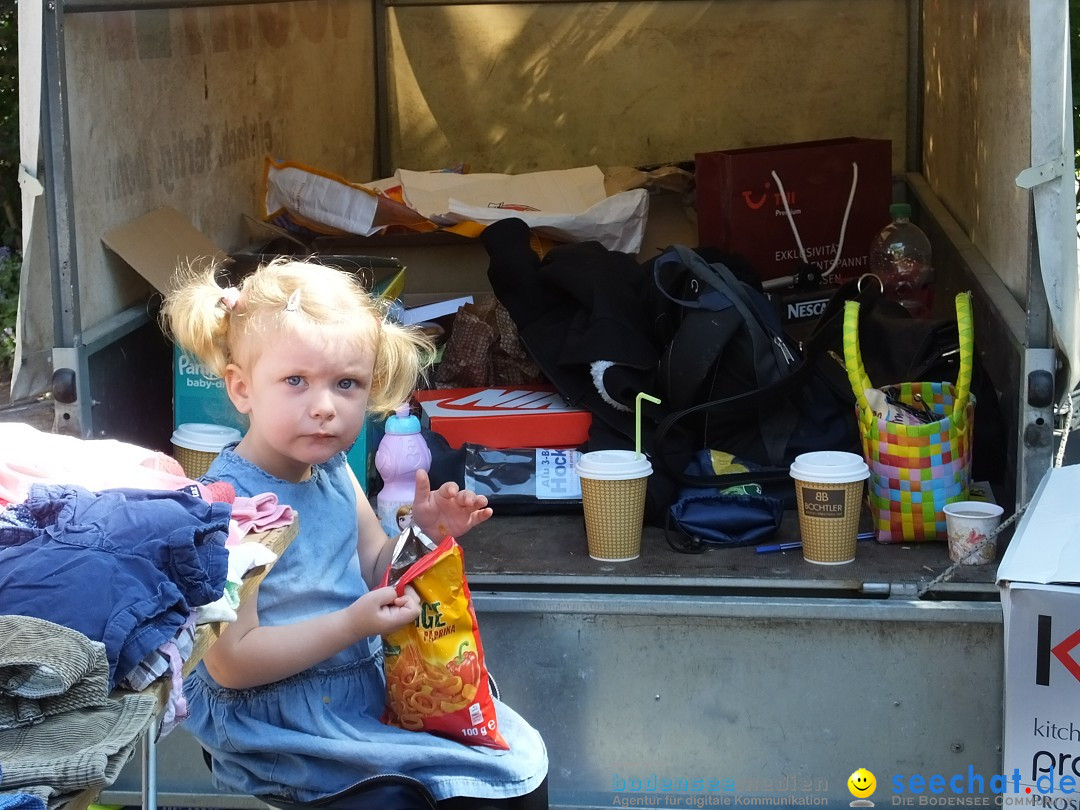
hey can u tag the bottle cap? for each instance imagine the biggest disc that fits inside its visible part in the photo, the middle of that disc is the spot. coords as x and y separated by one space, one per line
900 211
402 422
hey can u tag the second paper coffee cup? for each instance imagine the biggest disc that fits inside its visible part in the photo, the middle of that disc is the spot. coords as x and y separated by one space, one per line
828 491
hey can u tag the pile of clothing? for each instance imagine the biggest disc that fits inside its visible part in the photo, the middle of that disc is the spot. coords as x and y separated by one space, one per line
60 731
107 555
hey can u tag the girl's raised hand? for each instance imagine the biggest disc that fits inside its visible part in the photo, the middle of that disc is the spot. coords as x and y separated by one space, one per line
449 510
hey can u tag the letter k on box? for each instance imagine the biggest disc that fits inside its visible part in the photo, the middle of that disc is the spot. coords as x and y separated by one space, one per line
528 416
1039 579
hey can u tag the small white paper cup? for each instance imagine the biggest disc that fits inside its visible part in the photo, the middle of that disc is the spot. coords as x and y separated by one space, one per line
969 523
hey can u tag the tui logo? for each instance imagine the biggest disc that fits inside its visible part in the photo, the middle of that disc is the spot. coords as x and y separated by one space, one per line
755 201
1061 652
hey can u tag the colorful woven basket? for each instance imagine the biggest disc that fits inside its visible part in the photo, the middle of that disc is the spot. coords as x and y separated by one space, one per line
915 470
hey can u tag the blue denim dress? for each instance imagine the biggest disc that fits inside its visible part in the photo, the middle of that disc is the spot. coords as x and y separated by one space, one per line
318 732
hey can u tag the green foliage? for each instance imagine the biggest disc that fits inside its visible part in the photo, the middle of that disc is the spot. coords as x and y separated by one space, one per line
10 265
1074 50
10 200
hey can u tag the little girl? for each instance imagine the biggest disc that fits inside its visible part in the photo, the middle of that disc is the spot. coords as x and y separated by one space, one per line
289 698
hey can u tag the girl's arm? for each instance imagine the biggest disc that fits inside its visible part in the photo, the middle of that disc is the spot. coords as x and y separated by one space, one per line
248 654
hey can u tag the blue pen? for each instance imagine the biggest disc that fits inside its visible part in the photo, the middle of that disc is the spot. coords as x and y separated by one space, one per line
777 547
768 549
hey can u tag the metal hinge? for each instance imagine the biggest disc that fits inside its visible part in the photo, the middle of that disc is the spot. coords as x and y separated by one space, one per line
892 590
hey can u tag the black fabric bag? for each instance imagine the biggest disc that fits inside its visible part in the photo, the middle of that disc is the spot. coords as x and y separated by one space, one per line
709 517
731 379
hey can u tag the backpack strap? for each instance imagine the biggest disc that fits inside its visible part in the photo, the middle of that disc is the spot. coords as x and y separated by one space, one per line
769 349
723 305
750 401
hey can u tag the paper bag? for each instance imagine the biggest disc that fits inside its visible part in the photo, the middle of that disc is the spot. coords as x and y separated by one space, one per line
568 205
837 192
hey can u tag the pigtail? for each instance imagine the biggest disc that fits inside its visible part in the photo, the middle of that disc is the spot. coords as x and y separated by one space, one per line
197 314
403 355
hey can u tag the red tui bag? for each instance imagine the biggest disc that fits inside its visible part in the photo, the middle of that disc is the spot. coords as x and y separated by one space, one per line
837 194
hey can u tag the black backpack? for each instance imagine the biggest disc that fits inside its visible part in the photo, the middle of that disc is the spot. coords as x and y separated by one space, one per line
732 380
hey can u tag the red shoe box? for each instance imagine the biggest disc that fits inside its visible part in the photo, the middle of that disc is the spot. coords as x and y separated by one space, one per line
527 416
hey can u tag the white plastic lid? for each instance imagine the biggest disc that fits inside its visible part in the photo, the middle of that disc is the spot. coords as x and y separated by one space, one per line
612 465
829 467
204 437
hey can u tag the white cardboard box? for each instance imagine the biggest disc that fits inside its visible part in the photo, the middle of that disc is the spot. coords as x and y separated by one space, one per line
1039 578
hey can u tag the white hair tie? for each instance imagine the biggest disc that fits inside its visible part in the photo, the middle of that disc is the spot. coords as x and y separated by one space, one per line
230 299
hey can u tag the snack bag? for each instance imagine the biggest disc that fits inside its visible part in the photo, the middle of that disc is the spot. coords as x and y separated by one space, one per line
436 680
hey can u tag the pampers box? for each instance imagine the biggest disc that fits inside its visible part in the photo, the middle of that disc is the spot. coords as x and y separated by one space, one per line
199 395
1039 578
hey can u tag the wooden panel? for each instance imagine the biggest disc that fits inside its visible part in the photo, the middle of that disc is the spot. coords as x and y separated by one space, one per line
181 106
543 86
976 128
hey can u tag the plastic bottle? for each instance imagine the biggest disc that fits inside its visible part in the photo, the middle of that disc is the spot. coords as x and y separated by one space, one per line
401 453
900 257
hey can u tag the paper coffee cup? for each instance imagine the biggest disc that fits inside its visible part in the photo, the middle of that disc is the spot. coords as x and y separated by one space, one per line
197 444
968 524
613 486
829 492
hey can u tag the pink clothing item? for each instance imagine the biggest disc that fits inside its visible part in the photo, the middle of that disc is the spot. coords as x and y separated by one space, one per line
260 513
218 491
176 708
30 456
165 463
235 538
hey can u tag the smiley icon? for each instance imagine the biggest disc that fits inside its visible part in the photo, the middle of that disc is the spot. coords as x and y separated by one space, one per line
862 783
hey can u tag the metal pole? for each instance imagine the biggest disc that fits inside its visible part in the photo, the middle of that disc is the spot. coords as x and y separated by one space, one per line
72 414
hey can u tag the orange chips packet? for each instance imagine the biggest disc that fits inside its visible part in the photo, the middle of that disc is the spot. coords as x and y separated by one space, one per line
436 680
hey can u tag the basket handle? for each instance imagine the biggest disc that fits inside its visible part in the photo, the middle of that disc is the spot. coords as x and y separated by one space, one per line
856 371
965 327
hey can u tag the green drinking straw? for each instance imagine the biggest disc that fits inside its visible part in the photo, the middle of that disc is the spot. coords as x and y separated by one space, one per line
637 421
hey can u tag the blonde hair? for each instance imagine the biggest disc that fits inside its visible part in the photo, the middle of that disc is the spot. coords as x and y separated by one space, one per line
313 301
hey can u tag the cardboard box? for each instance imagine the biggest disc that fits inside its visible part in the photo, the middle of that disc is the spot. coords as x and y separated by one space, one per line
1039 578
158 242
529 416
